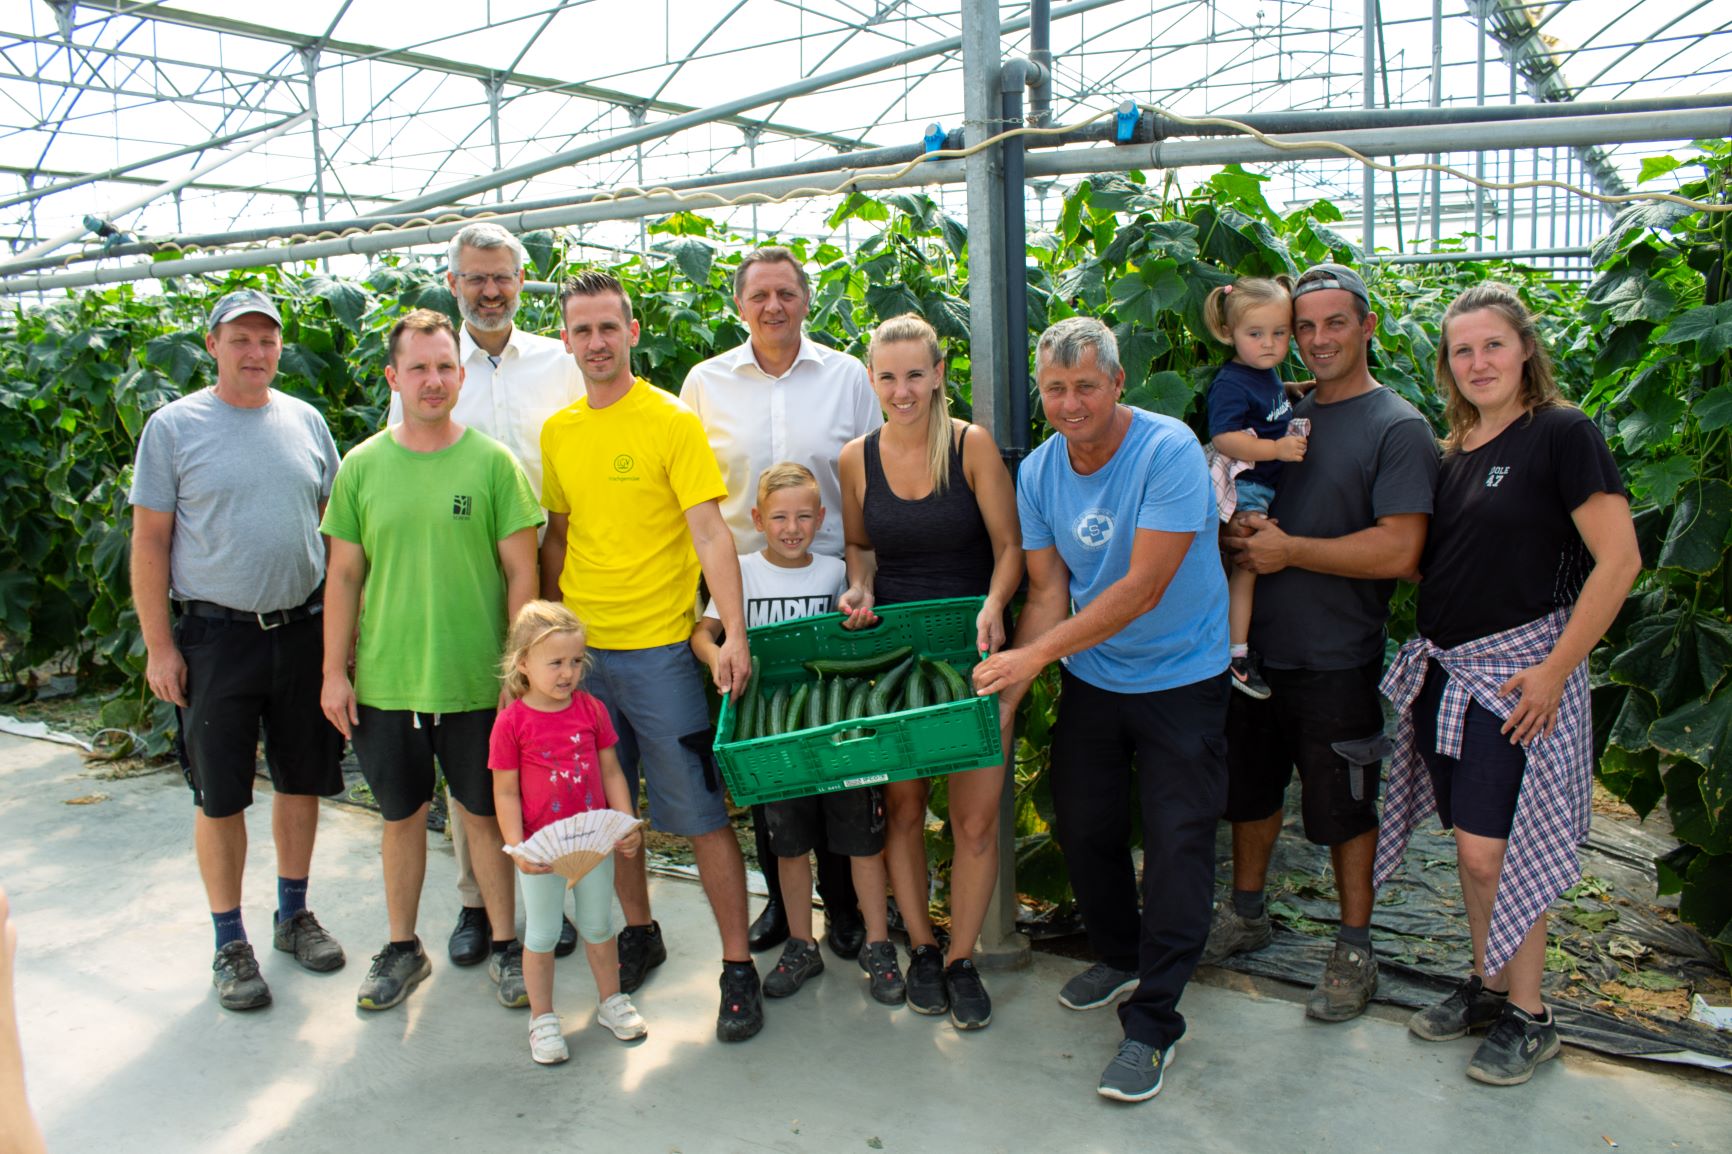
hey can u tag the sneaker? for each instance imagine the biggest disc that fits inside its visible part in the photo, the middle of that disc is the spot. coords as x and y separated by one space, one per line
1468 1008
926 991
1349 979
546 1041
505 967
304 937
1135 1073
1247 679
1231 934
393 974
620 1016
1516 1044
799 961
1099 985
640 951
567 944
470 940
970 1008
235 974
878 959
742 1012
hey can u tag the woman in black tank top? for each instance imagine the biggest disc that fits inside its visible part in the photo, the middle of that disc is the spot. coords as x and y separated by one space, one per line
930 512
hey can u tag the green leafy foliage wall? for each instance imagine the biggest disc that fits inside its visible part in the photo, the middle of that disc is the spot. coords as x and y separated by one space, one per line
1645 348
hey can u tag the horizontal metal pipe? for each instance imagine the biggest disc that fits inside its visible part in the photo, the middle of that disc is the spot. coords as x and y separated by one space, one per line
1163 154
1349 119
1573 253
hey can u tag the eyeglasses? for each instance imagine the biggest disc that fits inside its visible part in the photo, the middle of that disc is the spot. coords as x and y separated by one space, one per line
477 280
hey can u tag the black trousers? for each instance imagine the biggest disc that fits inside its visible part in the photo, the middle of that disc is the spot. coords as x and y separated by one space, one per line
1174 738
835 876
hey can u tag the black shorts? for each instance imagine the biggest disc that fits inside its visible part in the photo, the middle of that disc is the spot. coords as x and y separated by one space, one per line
852 821
396 748
1309 712
1477 792
241 677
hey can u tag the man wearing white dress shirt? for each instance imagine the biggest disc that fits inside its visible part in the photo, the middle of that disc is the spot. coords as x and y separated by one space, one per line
782 396
514 381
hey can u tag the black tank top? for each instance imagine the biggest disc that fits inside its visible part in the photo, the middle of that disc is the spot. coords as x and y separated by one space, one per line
935 547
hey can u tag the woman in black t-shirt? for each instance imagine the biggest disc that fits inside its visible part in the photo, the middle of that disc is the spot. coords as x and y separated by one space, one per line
1530 555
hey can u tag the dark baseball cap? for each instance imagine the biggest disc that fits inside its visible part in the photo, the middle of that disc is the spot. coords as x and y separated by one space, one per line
242 302
1331 276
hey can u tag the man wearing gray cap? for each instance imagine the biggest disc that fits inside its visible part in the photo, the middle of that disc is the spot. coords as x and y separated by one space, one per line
227 492
1345 523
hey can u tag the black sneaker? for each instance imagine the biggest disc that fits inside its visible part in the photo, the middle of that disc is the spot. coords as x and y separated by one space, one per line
1517 1043
472 940
1136 1072
742 1011
304 937
640 951
393 974
1469 1007
567 944
235 974
505 967
970 1008
878 959
926 990
1248 679
800 960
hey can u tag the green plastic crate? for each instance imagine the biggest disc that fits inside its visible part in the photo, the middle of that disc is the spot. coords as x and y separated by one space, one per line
914 743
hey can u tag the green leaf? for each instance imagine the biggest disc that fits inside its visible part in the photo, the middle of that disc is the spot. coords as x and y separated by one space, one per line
1630 295
540 246
1653 424
954 232
347 302
891 300
693 255
1660 480
1710 326
1701 733
1085 282
948 315
299 361
1714 409
1174 239
1654 167
1696 539
179 355
437 296
1622 347
1165 392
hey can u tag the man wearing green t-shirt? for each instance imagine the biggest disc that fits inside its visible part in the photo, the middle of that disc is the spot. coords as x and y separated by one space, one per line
435 524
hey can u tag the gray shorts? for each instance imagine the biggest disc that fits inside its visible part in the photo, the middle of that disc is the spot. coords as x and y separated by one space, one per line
656 700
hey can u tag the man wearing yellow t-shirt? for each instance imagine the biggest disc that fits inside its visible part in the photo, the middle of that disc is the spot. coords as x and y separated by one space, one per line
633 495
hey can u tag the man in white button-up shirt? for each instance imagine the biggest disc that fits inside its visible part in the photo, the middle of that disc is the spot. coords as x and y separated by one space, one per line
782 396
513 382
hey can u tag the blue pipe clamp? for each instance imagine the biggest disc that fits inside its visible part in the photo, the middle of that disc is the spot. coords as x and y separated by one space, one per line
1125 122
934 138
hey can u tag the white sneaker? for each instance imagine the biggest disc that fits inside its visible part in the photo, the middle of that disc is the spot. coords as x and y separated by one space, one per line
546 1043
620 1016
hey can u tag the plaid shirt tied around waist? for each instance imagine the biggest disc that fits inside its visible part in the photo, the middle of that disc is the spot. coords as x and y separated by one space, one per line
1552 810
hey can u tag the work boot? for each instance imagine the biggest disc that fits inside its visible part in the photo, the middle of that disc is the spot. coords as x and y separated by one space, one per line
640 951
800 960
1231 934
304 937
393 974
235 974
1349 979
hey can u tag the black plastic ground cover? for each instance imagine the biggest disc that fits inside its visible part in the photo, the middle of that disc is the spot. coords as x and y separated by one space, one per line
1610 932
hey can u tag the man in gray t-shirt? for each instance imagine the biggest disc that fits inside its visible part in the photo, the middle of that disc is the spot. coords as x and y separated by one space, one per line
227 492
1345 523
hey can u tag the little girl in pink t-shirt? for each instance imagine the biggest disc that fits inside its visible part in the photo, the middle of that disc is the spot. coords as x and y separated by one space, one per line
552 757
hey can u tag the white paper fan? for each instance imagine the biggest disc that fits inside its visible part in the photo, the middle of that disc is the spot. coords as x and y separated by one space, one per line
575 845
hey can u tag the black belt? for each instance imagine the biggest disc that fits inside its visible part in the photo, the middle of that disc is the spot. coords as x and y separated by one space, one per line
312 607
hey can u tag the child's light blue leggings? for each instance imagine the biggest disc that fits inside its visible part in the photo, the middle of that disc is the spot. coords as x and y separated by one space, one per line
544 905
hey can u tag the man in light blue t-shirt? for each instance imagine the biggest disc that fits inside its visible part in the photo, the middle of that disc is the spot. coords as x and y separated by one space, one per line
1125 587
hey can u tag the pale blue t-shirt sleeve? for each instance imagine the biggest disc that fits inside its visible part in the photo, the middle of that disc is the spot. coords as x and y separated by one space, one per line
1176 486
1036 531
154 484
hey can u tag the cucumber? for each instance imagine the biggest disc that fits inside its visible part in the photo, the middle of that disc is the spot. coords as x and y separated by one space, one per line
859 666
745 706
778 719
760 715
857 699
797 709
883 692
836 700
941 694
815 705
917 693
959 687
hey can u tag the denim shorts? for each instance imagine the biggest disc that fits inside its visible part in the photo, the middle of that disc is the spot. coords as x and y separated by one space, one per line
1251 495
656 700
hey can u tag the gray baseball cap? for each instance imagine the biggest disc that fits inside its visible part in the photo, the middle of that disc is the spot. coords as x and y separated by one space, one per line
1331 276
242 302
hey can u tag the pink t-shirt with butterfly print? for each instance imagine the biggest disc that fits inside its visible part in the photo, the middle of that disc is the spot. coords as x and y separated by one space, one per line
557 757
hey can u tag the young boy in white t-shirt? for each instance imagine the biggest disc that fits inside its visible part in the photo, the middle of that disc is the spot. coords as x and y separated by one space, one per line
783 582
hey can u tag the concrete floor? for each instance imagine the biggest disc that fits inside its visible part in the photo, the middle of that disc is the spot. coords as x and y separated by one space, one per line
127 1049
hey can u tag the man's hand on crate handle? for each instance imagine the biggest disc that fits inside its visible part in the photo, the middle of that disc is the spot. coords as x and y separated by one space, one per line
1008 673
733 664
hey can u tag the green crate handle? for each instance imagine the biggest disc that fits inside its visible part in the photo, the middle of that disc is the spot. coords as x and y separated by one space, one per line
842 737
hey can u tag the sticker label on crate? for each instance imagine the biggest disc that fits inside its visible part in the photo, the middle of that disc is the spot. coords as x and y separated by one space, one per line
870 779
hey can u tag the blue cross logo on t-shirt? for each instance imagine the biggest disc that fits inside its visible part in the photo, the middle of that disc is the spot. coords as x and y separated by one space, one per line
1094 528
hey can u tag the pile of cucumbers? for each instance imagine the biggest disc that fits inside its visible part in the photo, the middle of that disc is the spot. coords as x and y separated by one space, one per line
846 689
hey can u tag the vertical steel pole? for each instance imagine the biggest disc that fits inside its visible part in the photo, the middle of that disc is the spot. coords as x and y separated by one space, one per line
1436 101
1368 181
1479 157
988 266
495 84
310 63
